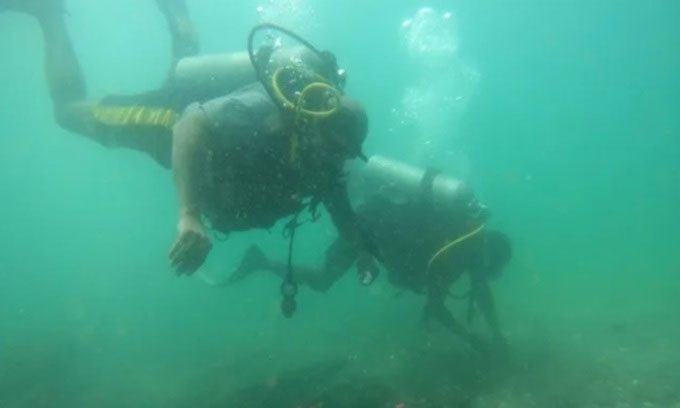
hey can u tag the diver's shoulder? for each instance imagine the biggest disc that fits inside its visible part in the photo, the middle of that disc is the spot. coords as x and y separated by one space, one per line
246 109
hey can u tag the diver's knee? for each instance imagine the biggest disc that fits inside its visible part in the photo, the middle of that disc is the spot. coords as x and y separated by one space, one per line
64 118
74 117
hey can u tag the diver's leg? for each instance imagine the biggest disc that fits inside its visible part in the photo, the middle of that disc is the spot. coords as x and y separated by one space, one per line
340 255
65 79
339 258
317 279
184 39
254 260
99 121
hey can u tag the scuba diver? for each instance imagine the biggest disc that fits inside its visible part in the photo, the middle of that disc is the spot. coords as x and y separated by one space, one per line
251 137
429 230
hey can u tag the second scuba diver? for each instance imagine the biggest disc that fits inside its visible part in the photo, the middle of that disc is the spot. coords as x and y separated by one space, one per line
429 230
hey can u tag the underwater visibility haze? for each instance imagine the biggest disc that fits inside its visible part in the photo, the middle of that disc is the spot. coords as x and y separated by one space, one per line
563 117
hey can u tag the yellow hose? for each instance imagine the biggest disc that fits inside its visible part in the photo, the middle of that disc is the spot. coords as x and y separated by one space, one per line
320 85
301 113
453 243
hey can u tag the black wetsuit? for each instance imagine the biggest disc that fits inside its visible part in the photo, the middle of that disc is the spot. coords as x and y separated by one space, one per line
251 182
408 234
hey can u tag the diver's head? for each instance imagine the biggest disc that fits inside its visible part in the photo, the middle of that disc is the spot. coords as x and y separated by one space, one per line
497 253
343 133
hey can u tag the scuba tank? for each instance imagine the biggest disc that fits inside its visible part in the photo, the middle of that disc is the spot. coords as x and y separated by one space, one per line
401 182
284 71
228 72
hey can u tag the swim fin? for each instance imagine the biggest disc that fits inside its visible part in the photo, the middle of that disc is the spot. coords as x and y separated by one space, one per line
253 260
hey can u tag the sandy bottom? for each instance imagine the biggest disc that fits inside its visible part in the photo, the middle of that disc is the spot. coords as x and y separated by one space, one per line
633 362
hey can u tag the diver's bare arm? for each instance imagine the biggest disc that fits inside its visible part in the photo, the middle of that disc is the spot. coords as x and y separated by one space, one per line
435 308
189 152
343 216
487 305
345 220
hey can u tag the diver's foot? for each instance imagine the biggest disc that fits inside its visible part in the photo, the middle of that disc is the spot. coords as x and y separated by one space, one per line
184 37
253 260
172 7
37 8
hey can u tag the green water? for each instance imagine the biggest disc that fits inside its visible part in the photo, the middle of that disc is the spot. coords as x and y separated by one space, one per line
562 115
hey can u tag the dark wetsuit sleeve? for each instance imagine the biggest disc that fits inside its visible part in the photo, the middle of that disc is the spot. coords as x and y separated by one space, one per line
343 216
346 221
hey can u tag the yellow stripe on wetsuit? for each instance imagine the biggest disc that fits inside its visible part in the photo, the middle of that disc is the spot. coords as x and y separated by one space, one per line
135 116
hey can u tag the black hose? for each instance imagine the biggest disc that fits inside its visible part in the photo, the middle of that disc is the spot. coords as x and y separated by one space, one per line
269 26
259 73
265 26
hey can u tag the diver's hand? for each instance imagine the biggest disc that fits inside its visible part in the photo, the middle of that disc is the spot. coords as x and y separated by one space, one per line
367 268
191 247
